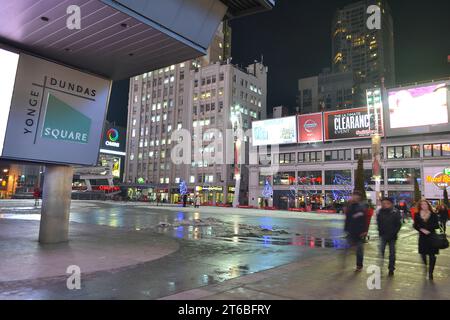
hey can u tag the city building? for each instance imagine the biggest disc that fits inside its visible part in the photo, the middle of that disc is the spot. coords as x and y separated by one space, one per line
368 54
319 168
361 59
202 93
327 91
280 112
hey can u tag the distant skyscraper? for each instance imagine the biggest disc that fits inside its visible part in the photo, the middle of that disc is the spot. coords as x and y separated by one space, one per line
368 54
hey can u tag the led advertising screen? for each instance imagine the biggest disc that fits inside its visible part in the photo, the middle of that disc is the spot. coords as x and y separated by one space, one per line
113 140
8 67
310 128
419 109
274 131
349 124
56 114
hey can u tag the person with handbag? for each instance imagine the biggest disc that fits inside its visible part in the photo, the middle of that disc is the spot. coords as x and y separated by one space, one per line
426 222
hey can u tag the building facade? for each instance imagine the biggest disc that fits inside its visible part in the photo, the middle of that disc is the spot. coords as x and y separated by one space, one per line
323 174
196 95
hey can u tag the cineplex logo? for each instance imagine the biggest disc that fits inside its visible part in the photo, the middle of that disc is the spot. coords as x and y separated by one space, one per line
62 121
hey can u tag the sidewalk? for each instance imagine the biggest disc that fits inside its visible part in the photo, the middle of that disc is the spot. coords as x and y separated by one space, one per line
92 248
330 277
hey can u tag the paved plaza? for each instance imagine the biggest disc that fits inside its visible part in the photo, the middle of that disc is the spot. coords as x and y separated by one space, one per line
137 251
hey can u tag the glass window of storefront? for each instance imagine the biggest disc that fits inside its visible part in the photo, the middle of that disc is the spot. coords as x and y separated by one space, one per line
366 153
368 176
397 196
403 175
338 177
263 178
314 156
284 178
436 150
338 155
285 158
309 177
403 152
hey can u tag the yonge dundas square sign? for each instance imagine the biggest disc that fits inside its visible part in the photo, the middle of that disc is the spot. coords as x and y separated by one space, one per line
54 114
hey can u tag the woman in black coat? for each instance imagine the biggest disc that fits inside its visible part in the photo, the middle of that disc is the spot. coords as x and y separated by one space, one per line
426 222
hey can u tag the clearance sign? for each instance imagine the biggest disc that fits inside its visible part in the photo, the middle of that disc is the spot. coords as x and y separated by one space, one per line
348 124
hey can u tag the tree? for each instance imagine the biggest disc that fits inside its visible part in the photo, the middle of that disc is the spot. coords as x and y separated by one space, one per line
359 178
446 197
417 193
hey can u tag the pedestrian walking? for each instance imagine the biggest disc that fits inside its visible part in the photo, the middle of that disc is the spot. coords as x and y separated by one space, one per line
36 196
356 226
184 200
158 199
389 222
197 201
426 222
443 216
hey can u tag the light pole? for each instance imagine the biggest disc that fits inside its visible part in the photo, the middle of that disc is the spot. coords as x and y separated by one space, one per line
235 121
375 109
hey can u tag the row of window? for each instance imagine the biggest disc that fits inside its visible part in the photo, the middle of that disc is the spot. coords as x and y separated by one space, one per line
395 152
401 176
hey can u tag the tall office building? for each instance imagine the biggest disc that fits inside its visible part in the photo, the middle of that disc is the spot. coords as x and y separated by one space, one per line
368 54
203 93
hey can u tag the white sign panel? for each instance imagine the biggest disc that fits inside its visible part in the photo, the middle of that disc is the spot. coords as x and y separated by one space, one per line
56 114
274 131
8 67
436 179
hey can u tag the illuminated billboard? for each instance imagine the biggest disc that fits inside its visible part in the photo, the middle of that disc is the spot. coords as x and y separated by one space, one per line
310 128
417 110
436 180
349 124
274 131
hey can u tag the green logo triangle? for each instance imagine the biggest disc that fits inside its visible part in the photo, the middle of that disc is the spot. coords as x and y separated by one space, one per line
62 122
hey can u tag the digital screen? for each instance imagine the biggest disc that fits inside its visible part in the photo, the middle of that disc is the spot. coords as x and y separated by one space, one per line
275 131
8 67
419 106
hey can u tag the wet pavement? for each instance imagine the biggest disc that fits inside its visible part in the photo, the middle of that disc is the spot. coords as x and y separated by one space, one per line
214 248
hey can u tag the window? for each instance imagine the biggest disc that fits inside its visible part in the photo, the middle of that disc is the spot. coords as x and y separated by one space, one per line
366 153
221 76
338 155
403 152
192 179
313 156
285 158
309 177
338 177
436 150
403 176
284 178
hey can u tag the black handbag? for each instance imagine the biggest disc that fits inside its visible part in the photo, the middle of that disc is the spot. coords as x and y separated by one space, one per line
439 240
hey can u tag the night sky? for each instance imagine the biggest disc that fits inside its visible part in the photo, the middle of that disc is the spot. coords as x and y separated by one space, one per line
295 40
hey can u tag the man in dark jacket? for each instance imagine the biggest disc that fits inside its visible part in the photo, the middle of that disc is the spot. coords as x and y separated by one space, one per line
356 226
389 222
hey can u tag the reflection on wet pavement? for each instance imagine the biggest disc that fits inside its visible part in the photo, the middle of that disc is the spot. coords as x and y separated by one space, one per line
225 247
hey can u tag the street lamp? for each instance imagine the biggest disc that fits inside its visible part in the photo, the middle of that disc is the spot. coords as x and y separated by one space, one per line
235 119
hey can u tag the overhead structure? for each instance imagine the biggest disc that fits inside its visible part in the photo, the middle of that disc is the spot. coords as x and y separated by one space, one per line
118 39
